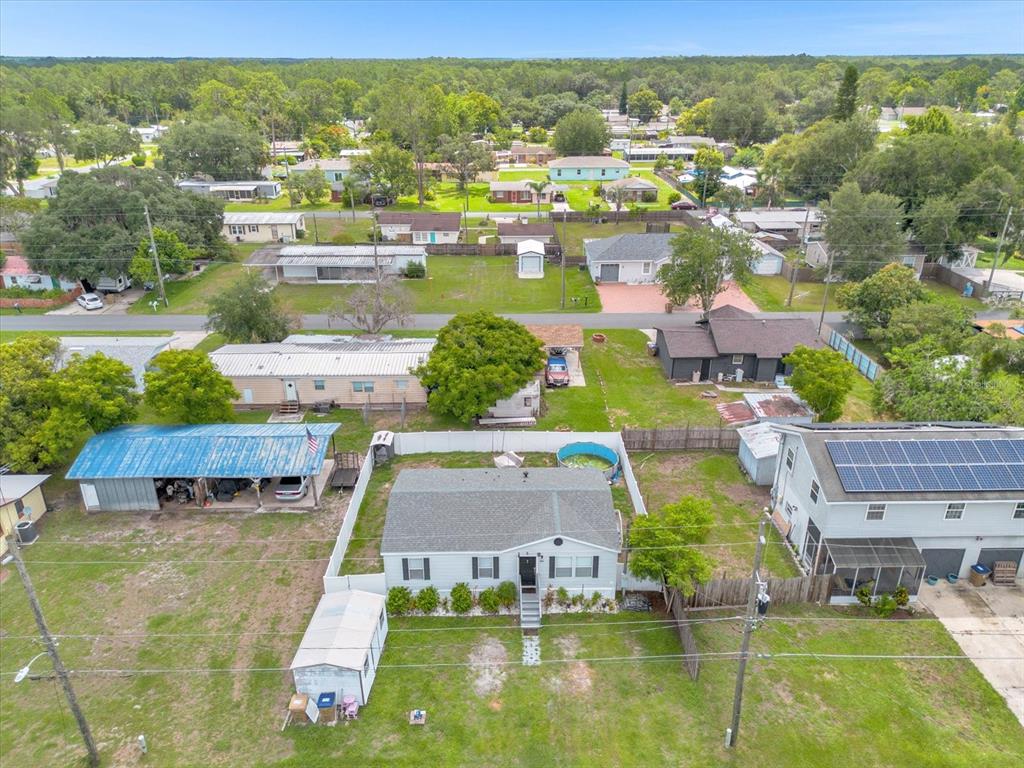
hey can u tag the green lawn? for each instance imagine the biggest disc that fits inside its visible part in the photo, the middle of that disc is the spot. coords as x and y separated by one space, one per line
448 198
944 291
190 296
858 406
625 387
536 173
466 283
576 232
664 189
601 697
769 292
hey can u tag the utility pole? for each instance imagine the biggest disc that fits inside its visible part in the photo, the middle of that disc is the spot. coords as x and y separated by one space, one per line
51 649
824 300
562 244
748 627
156 258
316 232
999 250
803 259
376 260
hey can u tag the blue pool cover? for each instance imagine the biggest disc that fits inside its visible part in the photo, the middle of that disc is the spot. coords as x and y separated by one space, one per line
203 450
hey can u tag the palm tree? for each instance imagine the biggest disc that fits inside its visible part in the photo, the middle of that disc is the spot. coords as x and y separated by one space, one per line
538 187
618 196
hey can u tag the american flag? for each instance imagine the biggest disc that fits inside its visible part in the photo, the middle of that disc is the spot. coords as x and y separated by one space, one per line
312 443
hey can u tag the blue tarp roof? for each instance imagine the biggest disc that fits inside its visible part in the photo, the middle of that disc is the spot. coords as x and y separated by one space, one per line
202 450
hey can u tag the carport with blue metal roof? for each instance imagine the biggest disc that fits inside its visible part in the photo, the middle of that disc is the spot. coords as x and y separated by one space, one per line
130 468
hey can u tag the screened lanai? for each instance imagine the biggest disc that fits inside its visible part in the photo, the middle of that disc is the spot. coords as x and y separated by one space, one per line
882 564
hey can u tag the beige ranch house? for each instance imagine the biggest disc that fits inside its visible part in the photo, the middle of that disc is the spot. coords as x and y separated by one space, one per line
263 227
344 370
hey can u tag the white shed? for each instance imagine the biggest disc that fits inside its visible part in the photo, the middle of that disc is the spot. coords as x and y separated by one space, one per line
342 646
759 449
530 254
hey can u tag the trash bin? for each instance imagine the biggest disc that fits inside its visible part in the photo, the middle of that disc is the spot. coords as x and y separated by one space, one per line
325 702
979 574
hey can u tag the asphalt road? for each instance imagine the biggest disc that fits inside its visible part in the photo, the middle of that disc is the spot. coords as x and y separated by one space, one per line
171 322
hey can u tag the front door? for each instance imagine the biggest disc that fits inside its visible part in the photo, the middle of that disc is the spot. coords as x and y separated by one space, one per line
528 571
609 273
274 234
290 393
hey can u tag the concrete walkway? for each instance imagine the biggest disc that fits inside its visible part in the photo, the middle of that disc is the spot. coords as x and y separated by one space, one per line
985 621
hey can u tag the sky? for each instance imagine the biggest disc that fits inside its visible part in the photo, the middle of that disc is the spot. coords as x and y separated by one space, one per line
522 29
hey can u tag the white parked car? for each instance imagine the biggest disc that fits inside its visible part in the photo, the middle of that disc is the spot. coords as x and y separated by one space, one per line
291 488
90 301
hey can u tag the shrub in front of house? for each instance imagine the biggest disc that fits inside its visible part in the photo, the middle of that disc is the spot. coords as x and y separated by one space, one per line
885 605
597 190
649 196
427 600
462 598
595 600
507 594
399 601
901 596
415 270
562 597
674 197
139 160
488 600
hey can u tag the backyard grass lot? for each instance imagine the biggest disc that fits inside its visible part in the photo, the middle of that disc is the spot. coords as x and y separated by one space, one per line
190 296
626 387
769 292
465 284
573 710
447 197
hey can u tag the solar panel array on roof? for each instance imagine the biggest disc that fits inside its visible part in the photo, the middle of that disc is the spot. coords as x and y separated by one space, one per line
928 465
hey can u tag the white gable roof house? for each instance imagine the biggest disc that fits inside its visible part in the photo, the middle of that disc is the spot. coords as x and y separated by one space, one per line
530 257
342 646
769 260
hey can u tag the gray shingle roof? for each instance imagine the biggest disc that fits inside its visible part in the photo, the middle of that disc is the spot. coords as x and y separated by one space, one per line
731 331
631 247
493 510
694 341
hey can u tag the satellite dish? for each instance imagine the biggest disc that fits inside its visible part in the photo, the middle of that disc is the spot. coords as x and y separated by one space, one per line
21 674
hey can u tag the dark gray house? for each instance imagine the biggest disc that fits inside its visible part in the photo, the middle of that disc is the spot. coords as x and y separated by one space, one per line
733 340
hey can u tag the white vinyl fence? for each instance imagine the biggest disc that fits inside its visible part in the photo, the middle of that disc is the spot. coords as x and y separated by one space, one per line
332 581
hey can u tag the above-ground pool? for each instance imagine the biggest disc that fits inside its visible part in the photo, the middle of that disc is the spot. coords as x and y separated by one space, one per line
589 455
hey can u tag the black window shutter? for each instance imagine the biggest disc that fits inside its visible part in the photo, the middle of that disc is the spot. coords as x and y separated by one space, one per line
426 569
476 569
495 566
405 569
551 567
597 560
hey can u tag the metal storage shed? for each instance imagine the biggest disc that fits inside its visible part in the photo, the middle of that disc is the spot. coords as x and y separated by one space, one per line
342 646
759 449
118 469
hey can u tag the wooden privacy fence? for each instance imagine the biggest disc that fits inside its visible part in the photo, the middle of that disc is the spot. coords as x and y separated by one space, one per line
551 250
680 217
719 593
682 439
675 606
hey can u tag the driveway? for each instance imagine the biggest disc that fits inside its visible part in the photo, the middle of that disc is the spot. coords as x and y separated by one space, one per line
985 621
619 297
113 304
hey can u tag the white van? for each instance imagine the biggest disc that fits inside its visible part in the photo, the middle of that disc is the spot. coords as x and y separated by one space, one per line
113 284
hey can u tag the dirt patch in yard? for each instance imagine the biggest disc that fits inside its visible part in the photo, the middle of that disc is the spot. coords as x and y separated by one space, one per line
574 678
488 665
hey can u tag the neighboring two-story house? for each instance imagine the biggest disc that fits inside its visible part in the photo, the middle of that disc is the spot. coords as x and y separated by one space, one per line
334 168
539 527
889 504
587 168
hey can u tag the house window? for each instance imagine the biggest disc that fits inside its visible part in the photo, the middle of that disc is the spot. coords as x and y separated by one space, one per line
579 171
416 571
875 512
362 386
558 172
737 359
563 567
954 511
485 567
401 384
584 567
1018 511
236 229
603 171
420 237
646 268
528 402
254 228
814 491
790 459
319 385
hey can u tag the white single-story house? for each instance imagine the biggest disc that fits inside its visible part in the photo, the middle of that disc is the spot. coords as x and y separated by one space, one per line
630 258
345 370
788 222
420 228
743 179
344 263
16 273
149 133
633 187
342 646
530 258
540 527
263 189
133 351
271 227
517 231
587 168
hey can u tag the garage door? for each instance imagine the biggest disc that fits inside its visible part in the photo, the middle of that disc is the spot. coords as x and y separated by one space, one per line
609 273
989 556
939 562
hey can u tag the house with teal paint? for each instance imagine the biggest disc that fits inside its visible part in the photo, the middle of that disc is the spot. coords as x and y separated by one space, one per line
587 168
334 168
